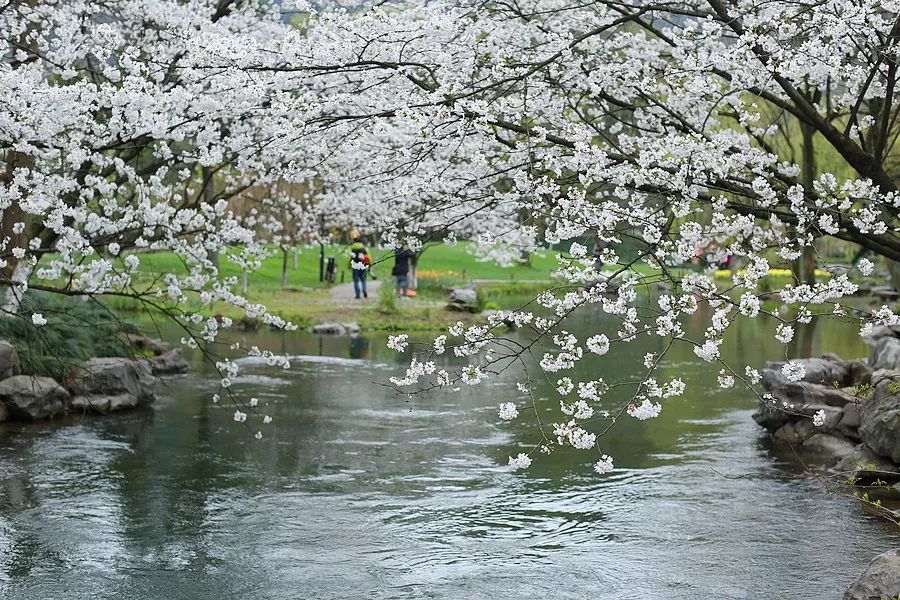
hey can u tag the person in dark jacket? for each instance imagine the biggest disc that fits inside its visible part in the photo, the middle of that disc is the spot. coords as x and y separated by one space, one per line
401 269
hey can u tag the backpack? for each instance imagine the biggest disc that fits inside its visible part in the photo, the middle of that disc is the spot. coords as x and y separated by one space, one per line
360 256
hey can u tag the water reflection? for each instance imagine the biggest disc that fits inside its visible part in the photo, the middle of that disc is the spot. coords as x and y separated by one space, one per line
357 491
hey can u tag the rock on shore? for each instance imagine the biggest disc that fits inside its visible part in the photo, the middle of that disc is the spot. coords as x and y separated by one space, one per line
858 423
879 422
335 329
99 385
32 398
880 580
111 384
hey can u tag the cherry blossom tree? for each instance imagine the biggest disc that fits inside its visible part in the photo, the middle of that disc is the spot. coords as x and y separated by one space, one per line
118 141
644 122
519 125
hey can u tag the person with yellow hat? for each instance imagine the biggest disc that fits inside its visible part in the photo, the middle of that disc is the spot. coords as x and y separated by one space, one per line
359 264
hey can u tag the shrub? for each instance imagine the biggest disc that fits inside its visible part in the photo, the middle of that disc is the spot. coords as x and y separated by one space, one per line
387 299
76 330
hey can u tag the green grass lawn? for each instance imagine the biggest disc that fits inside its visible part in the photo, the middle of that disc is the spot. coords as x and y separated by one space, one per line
455 264
306 301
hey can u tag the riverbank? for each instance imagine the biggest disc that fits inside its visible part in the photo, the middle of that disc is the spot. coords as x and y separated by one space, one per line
288 285
102 385
843 415
290 288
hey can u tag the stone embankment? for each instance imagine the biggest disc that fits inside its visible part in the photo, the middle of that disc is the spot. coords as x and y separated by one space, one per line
858 403
100 385
847 412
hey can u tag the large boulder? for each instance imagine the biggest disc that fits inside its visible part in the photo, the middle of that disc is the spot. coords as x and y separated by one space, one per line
828 370
169 362
832 445
879 421
463 299
772 417
880 580
880 331
860 373
28 397
336 328
148 344
885 354
805 392
862 457
796 432
9 360
111 384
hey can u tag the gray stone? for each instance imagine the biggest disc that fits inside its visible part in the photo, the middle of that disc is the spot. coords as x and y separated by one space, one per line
351 328
881 331
849 424
463 299
879 422
140 342
168 363
829 444
812 393
799 415
885 355
9 360
795 433
828 371
863 458
329 329
463 295
770 417
832 416
28 397
110 384
880 580
860 373
103 404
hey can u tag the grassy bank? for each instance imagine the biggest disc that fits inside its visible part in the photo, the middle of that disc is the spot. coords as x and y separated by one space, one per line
305 301
453 263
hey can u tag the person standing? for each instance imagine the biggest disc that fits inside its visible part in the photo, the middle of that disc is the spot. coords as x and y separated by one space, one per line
401 269
359 264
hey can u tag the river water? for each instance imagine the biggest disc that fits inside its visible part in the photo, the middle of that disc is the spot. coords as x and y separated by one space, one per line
356 492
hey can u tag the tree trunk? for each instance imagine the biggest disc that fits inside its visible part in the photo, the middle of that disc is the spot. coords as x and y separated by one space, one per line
805 267
12 301
284 267
209 196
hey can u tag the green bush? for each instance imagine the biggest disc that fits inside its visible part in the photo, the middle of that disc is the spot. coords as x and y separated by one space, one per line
387 298
76 330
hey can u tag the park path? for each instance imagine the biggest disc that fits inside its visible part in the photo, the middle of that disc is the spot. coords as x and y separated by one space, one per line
343 292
